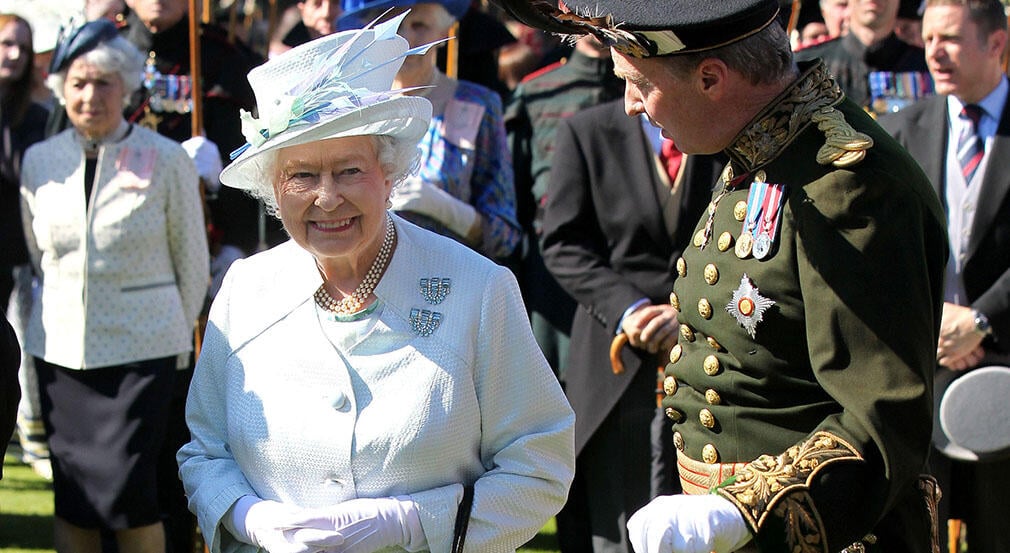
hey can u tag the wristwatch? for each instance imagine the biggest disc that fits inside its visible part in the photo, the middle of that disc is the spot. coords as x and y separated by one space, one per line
982 325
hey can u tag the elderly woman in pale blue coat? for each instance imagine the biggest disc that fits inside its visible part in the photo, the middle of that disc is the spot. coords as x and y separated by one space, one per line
356 380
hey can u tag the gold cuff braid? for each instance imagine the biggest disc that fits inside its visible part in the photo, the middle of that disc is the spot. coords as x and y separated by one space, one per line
778 486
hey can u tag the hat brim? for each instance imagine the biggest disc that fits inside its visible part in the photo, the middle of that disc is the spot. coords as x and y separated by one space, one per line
403 117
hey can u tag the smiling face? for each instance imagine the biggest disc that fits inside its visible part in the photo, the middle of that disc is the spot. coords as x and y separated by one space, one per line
963 63
331 196
94 98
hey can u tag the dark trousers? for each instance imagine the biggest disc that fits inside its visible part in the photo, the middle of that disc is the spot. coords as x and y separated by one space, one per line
975 493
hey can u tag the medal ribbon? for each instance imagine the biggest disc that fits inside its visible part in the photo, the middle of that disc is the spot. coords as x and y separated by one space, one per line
770 208
755 203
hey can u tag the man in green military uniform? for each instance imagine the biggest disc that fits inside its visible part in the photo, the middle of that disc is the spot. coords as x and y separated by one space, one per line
809 301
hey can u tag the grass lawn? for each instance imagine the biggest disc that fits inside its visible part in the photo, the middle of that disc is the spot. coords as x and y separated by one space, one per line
26 514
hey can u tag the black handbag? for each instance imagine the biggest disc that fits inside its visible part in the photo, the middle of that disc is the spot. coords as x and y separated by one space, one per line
462 519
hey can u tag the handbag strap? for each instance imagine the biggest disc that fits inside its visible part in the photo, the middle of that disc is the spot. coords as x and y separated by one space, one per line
462 519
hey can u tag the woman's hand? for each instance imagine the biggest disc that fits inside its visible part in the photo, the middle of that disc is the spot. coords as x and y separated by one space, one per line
268 524
361 526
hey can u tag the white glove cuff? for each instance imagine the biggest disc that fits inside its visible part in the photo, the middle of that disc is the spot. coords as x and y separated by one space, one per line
234 520
413 533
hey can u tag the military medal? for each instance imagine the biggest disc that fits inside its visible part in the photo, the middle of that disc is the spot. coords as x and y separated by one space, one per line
769 221
755 200
748 305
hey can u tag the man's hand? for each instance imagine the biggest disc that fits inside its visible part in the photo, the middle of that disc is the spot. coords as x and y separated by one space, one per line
960 346
652 328
688 524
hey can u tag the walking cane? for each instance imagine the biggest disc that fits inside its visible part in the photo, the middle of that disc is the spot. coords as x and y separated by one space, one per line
794 17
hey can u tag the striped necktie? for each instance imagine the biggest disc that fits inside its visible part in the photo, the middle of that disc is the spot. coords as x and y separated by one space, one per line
970 147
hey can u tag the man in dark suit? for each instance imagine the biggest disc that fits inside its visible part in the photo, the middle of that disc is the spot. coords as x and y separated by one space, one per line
611 234
10 392
964 43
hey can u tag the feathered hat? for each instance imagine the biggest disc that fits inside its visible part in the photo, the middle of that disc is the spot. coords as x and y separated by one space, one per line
337 85
353 11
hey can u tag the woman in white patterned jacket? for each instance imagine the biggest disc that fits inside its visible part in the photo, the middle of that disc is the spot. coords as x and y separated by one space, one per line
357 381
114 225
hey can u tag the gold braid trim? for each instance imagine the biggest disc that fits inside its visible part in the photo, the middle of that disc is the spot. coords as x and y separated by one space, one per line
779 486
809 100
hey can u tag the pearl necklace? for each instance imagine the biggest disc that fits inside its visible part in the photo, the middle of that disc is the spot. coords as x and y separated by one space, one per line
354 302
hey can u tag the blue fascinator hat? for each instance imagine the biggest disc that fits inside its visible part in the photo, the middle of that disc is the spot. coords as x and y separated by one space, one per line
78 40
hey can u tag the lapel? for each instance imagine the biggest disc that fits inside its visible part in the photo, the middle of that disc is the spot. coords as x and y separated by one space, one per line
643 178
995 183
931 153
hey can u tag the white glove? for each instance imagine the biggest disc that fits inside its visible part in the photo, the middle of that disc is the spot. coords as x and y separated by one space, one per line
207 158
267 524
688 524
363 525
425 198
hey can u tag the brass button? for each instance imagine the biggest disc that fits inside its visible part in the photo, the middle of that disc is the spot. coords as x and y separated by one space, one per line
713 397
707 419
674 415
699 238
709 454
761 176
678 440
711 274
675 300
712 365
725 241
675 353
670 385
687 333
740 210
681 267
713 343
704 308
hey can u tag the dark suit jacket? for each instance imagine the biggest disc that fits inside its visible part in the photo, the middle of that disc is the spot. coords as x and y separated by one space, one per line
922 130
606 244
10 391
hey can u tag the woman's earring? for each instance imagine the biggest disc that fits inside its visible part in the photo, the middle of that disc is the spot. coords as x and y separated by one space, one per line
389 203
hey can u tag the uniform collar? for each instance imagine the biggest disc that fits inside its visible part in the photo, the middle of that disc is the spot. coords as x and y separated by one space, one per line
810 99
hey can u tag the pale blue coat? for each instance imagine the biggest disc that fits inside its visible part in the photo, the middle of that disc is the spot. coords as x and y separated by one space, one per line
277 410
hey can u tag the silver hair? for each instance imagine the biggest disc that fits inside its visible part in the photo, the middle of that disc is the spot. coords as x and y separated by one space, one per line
398 158
763 58
117 56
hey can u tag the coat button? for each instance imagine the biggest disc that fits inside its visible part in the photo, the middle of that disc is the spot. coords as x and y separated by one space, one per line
674 415
681 267
713 397
709 454
713 343
670 385
740 210
711 274
675 300
675 353
339 401
712 365
705 308
687 333
678 441
725 241
707 419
